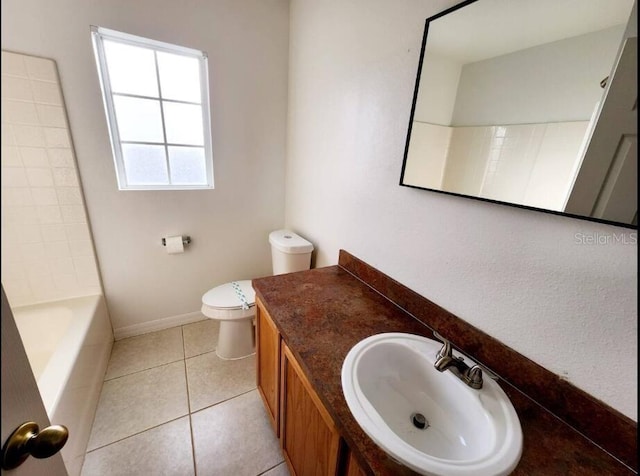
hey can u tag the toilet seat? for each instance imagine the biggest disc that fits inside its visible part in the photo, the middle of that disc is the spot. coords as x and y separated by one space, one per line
229 301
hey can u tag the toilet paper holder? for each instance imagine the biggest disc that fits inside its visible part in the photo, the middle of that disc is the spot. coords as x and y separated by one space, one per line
185 239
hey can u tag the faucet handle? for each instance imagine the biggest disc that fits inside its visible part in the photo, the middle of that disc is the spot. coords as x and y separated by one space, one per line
446 350
475 377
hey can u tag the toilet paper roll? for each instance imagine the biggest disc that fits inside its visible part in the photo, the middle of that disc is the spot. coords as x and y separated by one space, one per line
174 244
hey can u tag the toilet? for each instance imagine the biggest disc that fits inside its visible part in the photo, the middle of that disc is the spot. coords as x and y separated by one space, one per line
233 303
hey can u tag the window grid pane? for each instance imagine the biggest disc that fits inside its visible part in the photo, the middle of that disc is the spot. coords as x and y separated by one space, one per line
183 123
145 164
138 119
187 165
131 69
159 125
179 77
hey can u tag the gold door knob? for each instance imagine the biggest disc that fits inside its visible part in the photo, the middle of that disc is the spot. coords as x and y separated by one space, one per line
27 440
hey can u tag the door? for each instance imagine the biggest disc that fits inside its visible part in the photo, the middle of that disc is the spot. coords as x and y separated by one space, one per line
608 189
21 400
309 438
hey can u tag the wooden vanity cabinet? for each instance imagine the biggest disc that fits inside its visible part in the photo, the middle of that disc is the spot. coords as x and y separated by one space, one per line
352 467
268 364
308 435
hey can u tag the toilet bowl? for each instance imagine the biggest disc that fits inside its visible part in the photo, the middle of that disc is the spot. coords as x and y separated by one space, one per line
233 303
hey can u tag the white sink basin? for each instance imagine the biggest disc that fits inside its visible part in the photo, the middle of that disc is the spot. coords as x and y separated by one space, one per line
388 378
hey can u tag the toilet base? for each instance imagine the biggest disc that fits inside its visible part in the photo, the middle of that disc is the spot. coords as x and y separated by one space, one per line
236 339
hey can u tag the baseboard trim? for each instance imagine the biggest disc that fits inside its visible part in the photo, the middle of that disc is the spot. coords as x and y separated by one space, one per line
157 325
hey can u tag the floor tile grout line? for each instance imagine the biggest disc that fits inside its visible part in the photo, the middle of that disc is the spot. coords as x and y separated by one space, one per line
184 344
213 351
143 370
206 351
271 468
223 401
186 378
201 353
136 434
193 447
141 337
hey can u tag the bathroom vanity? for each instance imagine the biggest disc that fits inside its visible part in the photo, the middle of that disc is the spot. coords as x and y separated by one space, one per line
309 438
308 321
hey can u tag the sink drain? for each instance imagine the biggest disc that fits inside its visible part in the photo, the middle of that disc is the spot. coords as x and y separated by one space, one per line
419 421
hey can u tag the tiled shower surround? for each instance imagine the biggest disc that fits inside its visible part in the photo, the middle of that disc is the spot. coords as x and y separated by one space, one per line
47 252
509 163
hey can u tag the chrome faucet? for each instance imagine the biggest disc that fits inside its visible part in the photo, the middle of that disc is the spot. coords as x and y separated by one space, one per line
445 359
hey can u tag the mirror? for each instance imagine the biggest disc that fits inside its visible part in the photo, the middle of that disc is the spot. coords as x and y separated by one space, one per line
530 103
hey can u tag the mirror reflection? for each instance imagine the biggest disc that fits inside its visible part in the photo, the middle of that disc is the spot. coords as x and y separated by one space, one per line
531 103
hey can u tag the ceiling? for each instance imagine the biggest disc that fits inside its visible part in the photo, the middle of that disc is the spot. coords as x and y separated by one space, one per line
489 28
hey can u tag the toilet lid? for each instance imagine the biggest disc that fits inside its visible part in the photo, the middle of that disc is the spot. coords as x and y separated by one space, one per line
233 295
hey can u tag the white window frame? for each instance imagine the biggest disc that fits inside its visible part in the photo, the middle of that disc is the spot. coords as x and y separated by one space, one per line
98 34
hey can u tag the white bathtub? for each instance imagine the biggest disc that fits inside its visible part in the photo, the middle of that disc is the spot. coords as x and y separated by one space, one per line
68 344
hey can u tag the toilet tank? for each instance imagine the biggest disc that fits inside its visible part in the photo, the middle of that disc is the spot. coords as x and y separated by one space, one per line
289 252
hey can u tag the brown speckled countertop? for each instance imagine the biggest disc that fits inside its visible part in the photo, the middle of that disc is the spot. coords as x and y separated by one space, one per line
322 313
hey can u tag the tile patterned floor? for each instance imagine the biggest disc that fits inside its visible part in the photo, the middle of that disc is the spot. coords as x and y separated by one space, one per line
170 406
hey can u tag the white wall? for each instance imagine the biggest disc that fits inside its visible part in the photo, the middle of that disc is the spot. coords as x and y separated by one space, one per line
247 47
555 82
438 89
427 155
525 277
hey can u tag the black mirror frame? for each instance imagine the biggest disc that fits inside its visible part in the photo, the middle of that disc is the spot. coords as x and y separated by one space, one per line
406 147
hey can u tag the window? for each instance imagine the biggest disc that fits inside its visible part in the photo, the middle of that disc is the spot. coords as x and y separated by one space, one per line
157 104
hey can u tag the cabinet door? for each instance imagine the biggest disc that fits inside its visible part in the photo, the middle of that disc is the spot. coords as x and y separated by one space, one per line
353 467
309 438
268 363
